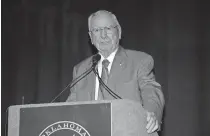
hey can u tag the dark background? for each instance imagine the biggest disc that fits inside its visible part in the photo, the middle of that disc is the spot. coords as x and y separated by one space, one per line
43 39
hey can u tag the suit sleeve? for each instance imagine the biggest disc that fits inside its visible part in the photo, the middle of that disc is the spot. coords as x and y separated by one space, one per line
151 93
72 95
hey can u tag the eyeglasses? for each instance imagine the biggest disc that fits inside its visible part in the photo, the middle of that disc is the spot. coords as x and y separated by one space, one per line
109 29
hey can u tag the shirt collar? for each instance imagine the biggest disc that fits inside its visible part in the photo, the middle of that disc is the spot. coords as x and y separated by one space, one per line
110 58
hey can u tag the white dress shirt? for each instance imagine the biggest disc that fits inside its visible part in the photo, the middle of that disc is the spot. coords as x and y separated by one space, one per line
110 58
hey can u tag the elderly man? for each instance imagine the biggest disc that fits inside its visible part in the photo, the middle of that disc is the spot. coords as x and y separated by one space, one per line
128 73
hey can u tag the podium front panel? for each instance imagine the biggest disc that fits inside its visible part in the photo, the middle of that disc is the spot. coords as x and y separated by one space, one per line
71 120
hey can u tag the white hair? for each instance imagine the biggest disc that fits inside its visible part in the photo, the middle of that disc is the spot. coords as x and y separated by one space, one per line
104 11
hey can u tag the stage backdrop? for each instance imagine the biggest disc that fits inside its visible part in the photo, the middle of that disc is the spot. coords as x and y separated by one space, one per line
43 40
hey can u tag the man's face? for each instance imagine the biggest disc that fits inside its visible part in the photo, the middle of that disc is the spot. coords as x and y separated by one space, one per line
104 33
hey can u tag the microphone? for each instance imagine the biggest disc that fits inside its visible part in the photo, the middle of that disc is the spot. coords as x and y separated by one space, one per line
106 87
95 60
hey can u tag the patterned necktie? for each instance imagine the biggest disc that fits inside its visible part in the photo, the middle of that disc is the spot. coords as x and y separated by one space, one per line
104 78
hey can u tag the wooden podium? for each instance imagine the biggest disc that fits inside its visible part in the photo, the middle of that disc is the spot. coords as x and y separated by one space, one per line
90 118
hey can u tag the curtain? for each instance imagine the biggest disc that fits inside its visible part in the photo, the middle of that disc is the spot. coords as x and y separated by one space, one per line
43 40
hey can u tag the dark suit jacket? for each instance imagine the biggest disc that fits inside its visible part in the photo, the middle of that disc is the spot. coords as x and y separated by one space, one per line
131 77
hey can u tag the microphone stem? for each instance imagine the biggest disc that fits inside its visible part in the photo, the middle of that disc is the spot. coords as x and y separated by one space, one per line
95 60
75 82
106 87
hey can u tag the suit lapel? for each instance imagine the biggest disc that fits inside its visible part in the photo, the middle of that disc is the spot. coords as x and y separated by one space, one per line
91 85
91 78
118 66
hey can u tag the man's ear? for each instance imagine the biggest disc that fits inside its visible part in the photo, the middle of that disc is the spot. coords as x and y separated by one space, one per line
119 32
89 33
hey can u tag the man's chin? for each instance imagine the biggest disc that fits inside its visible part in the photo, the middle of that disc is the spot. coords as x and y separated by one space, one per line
104 46
104 49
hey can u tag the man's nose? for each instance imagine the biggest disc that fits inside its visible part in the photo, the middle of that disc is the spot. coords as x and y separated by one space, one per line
103 33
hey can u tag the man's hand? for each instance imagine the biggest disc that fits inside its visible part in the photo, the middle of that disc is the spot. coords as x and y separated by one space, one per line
152 122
